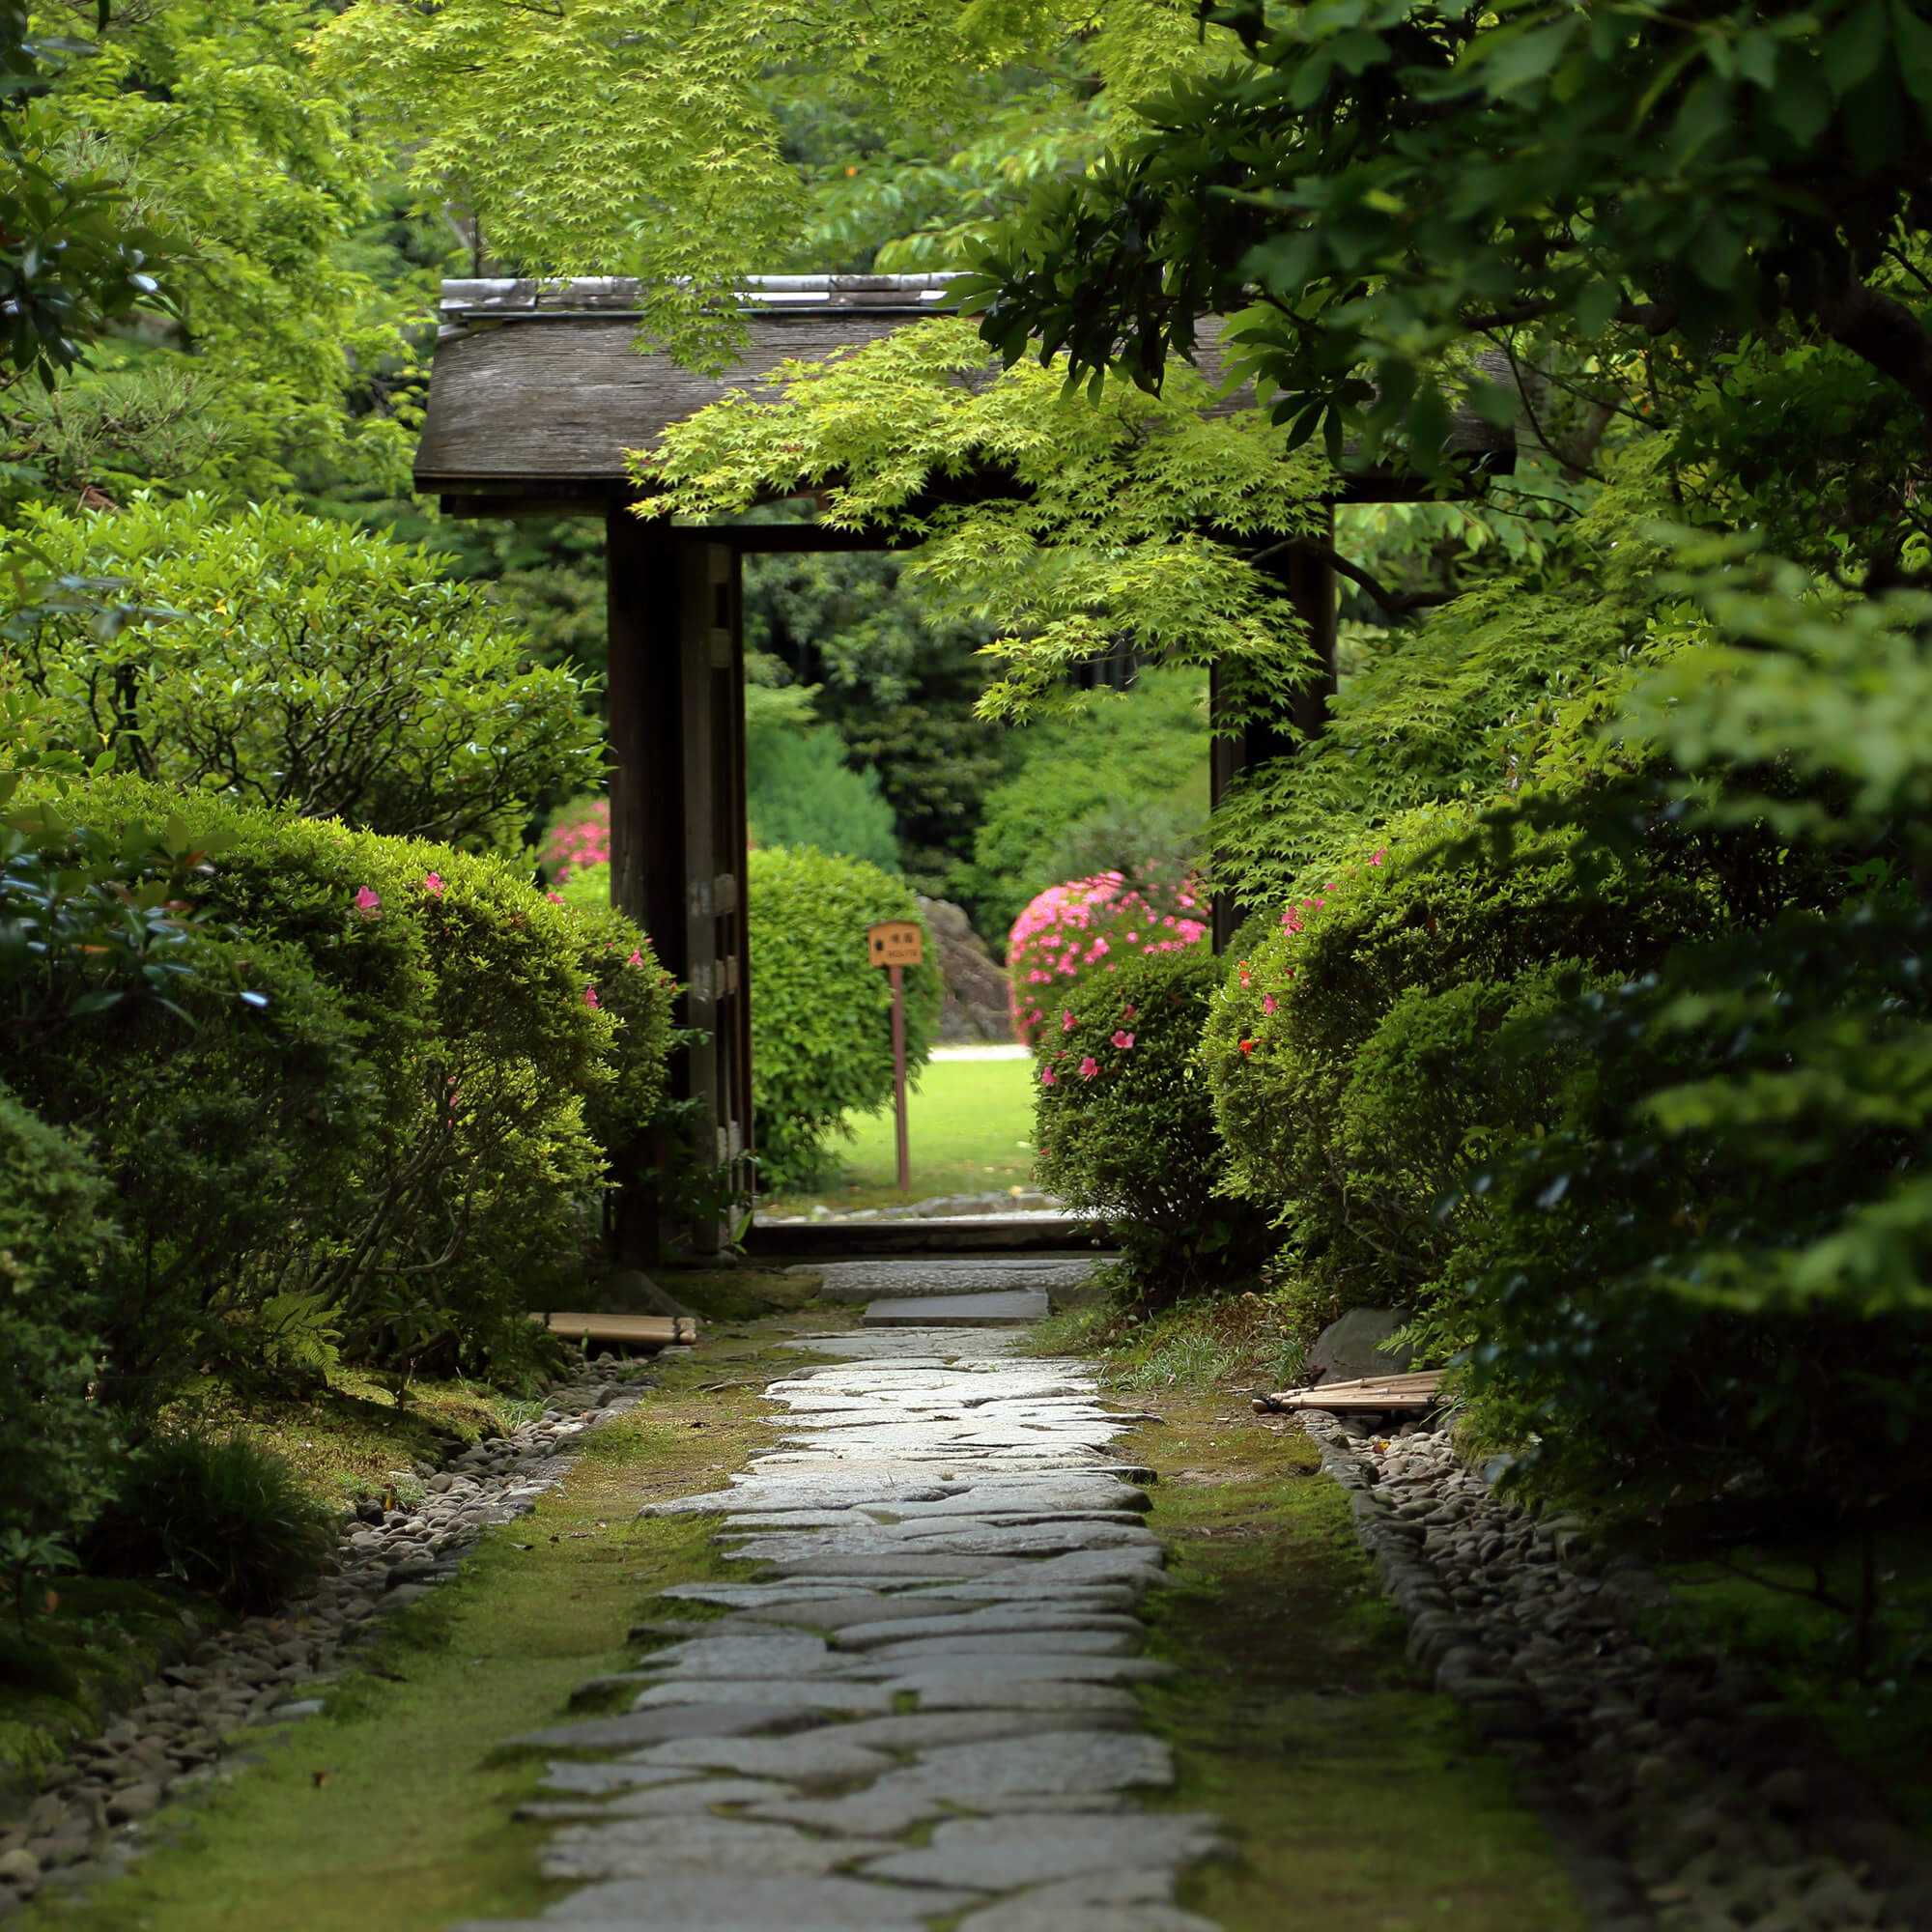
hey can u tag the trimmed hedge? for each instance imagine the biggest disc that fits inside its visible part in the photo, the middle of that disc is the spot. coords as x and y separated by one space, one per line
821 1013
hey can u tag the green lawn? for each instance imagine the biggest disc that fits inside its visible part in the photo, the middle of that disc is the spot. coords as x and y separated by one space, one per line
969 1124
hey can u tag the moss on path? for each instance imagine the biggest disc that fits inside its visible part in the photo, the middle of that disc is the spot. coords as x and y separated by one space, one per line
391 1810
1361 1801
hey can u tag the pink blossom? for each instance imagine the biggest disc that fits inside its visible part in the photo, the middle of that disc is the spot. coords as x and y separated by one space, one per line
1267 1002
1066 1020
556 899
1126 1013
368 902
590 998
1089 1068
1124 1039
637 958
1048 1077
433 885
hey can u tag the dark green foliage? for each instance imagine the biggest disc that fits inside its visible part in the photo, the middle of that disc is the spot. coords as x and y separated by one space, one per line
54 1224
308 666
799 790
217 1513
821 1013
1126 1127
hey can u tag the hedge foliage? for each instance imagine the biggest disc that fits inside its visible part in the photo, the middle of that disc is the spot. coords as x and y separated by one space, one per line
821 1013
298 662
394 1126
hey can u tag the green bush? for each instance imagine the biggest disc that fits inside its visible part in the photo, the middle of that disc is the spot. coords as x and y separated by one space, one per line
218 1513
402 1128
307 665
1300 1009
821 1011
1126 1127
54 1226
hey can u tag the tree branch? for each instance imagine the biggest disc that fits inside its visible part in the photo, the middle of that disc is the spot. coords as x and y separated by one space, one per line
1396 603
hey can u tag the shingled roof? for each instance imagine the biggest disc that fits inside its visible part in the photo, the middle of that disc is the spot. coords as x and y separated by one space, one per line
538 389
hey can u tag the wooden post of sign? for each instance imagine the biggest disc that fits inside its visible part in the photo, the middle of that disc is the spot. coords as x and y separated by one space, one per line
897 944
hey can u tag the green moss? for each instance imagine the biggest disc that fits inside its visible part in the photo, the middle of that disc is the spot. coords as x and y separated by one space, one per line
391 1808
1361 1801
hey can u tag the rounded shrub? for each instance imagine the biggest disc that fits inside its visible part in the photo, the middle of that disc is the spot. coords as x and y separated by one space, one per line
821 1011
1342 987
1126 1127
485 1044
1090 928
219 1513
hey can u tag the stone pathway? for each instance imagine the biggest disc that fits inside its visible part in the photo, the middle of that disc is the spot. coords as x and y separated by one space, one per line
921 1708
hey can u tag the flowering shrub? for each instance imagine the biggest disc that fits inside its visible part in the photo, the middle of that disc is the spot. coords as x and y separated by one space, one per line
1126 1124
411 1123
579 835
1352 1053
1089 927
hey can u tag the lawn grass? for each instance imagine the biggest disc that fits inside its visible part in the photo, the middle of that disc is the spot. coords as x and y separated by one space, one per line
970 1127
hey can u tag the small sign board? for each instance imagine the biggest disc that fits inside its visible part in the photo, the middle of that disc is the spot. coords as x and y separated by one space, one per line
897 942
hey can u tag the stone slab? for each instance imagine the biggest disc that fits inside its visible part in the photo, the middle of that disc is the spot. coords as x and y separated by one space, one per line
720 1720
1012 1309
805 1756
923 1730
815 1695
644 1847
986 1692
997 1621
688 1797
865 1280
1036 1850
590 1780
688 1901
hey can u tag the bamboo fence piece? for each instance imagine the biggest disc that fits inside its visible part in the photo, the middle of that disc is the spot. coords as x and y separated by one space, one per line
639 1331
1415 1391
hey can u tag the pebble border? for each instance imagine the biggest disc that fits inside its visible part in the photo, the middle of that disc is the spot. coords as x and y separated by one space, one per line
194 1723
1681 1797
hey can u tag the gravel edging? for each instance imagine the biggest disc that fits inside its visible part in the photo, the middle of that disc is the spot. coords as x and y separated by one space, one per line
1682 1797
196 1722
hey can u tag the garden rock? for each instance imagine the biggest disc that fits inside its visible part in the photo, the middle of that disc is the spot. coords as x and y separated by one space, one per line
1356 1347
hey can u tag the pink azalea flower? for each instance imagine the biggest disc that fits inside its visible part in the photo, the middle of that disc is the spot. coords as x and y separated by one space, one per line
1089 1068
590 998
1124 1039
368 902
1126 1013
1048 1077
637 958
1267 1002
556 899
433 885
1066 1020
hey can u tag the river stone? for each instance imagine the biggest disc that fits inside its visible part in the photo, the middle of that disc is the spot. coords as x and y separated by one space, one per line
1353 1348
760 1656
1017 1667
1035 1850
986 1692
686 1799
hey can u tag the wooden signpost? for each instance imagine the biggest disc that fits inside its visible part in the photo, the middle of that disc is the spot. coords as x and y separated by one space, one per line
897 944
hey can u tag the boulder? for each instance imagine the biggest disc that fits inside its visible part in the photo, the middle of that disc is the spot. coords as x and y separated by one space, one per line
975 1007
1351 1349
